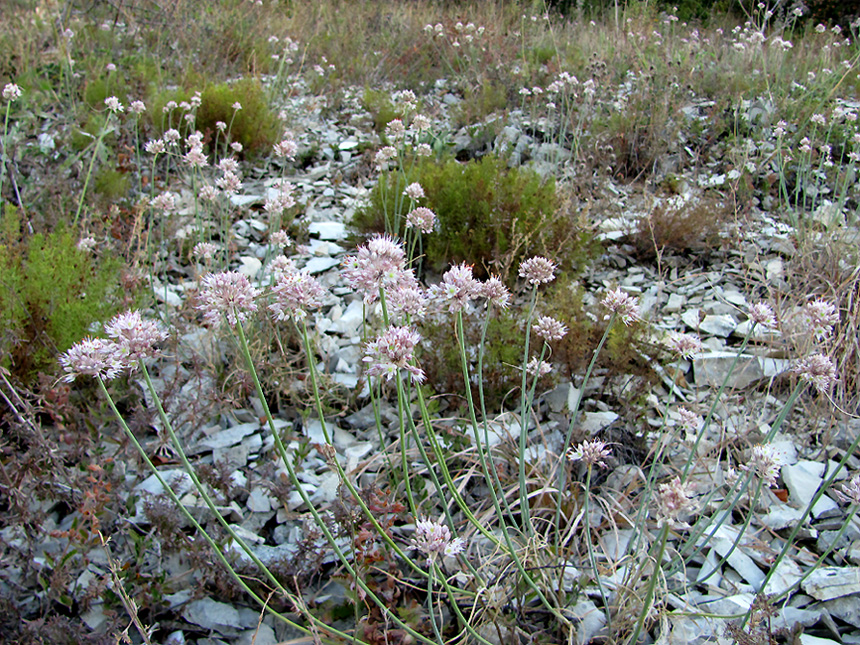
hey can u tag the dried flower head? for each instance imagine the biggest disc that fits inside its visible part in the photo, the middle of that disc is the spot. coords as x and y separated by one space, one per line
821 316
458 286
196 158
421 218
229 294
392 351
850 492
204 250
385 155
229 182
280 239
761 314
684 345
496 293
673 499
286 148
295 292
112 103
688 420
96 357
414 191
549 328
538 368
592 453
817 369
164 202
136 337
765 461
623 305
155 146
395 129
87 244
538 270
434 539
11 92
421 122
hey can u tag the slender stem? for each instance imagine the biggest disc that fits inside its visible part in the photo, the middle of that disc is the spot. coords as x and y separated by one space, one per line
652 584
215 548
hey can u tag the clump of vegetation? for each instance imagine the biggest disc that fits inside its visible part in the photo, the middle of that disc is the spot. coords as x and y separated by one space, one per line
381 108
488 215
681 227
503 354
255 125
51 293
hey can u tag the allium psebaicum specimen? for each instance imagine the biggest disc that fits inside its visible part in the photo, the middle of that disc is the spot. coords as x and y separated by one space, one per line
227 294
393 351
434 539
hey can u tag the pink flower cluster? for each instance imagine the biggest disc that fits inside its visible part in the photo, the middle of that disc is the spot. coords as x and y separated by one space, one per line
434 539
392 351
229 294
379 264
131 338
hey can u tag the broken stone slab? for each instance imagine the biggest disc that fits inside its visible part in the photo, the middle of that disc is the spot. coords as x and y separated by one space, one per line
594 422
210 614
562 398
781 515
720 325
332 231
263 635
320 264
846 608
713 368
588 618
827 583
690 630
260 501
226 438
803 480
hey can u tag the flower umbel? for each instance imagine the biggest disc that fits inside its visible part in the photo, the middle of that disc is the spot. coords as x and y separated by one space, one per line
295 293
96 357
393 351
684 345
229 294
762 315
817 369
379 263
592 453
622 304
538 270
434 539
458 286
765 460
673 499
821 317
549 328
135 337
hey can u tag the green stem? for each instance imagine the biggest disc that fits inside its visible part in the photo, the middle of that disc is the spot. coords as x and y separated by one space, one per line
652 584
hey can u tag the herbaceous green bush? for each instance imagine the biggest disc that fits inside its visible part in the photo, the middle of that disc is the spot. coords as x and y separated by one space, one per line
488 215
51 292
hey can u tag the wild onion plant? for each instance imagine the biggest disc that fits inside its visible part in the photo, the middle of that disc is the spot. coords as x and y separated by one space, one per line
458 551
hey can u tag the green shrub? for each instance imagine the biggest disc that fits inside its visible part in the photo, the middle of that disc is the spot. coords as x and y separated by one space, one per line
381 108
50 295
488 215
255 126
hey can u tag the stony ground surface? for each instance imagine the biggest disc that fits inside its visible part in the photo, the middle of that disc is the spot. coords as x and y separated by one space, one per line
707 293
